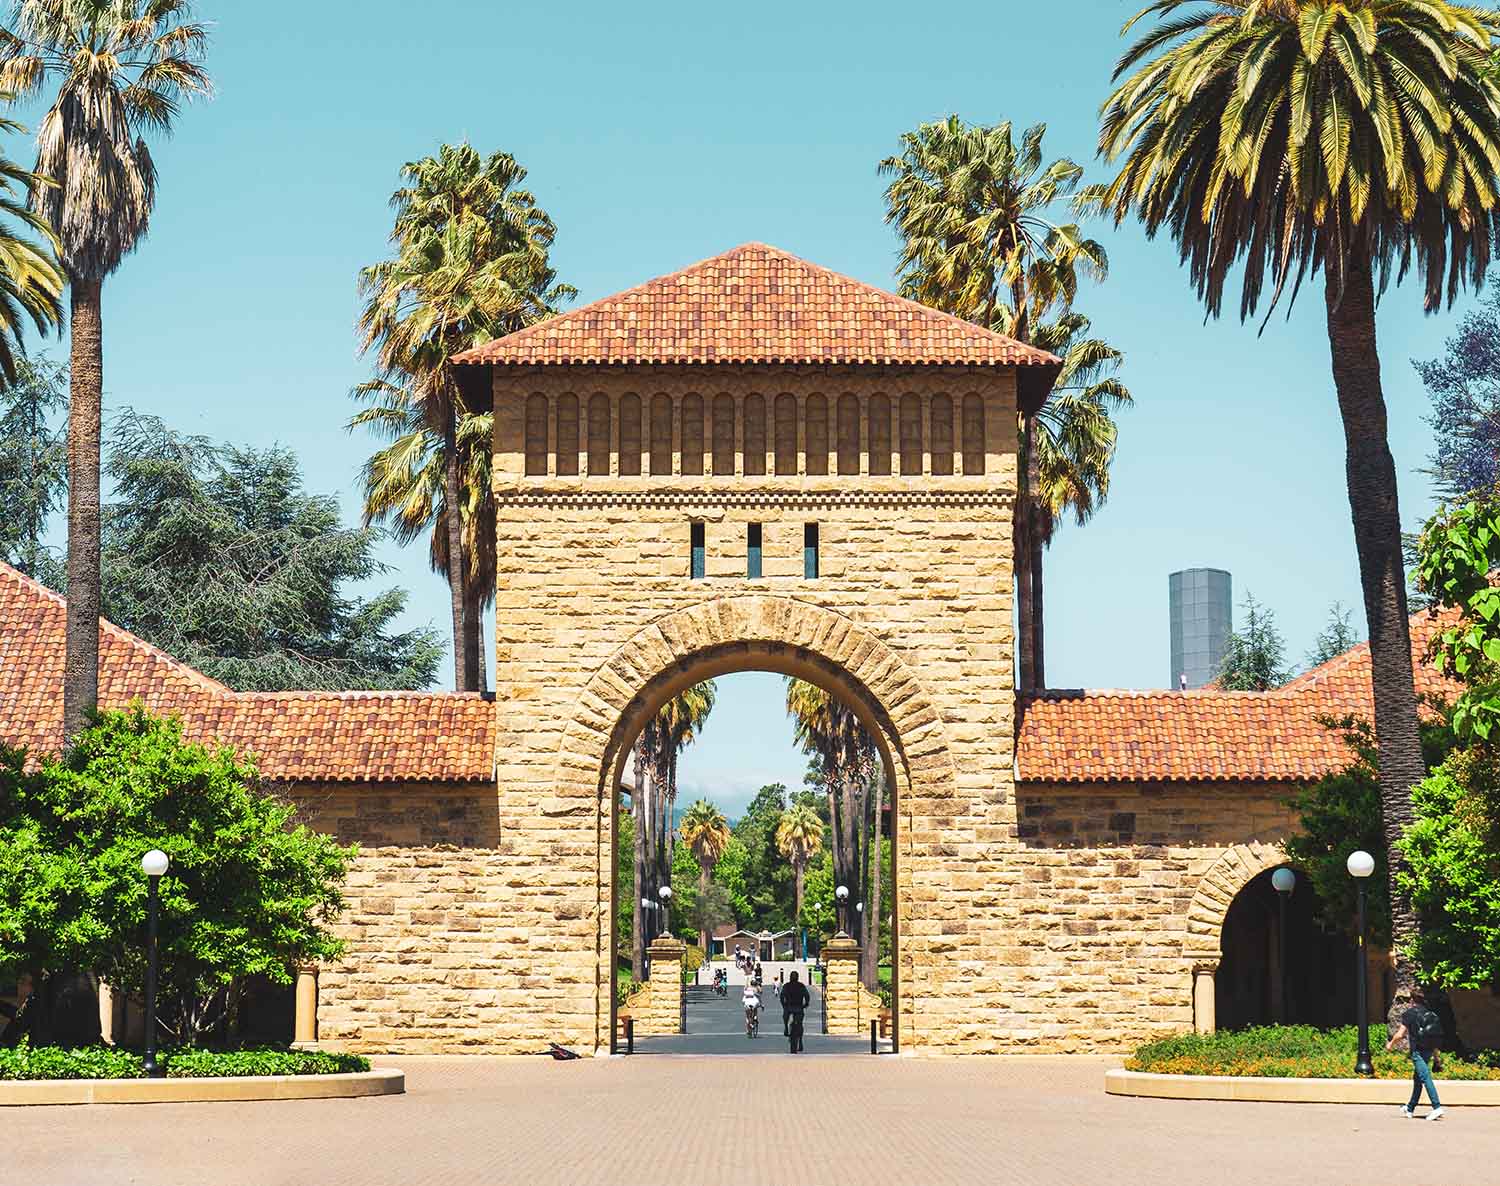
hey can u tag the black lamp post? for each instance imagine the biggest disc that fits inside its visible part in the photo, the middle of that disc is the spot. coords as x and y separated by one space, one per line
666 910
153 864
1360 865
1283 880
842 894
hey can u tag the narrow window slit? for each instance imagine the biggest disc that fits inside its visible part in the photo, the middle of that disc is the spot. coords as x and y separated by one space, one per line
697 561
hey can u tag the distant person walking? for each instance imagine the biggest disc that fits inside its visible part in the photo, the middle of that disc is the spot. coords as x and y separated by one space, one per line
794 1001
1423 1031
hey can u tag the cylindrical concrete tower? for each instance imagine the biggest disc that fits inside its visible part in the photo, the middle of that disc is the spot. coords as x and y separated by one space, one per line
1201 608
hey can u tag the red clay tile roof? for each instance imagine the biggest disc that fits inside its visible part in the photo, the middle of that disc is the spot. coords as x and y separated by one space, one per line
756 304
310 736
1063 736
1207 735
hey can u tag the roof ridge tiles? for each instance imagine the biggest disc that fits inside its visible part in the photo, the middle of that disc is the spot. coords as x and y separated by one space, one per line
651 312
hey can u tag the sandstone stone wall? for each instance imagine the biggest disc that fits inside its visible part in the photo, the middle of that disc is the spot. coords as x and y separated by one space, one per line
1116 888
423 927
1095 893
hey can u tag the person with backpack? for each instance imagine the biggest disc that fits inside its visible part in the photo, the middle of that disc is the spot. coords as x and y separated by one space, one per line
1423 1031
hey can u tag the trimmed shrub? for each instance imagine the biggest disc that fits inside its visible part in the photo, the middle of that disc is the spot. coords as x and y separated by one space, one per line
1291 1051
110 1062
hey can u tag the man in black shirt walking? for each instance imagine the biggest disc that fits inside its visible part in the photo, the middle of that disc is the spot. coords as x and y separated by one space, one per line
1423 1031
794 1001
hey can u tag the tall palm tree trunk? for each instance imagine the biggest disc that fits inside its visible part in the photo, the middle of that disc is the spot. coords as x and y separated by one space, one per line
474 635
799 882
871 955
1037 545
638 816
1371 474
463 651
81 662
1021 556
703 897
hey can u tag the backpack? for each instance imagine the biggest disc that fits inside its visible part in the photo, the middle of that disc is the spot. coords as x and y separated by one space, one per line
1428 1034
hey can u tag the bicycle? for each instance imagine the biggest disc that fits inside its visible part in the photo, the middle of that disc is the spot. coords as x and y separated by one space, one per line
752 1020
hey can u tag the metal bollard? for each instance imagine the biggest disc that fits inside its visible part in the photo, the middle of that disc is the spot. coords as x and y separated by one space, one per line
630 1035
874 1036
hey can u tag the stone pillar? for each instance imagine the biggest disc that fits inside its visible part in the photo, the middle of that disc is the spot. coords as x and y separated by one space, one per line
305 1028
841 984
664 1014
1203 998
106 1014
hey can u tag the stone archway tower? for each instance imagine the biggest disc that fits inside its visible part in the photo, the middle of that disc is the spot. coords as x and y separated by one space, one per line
754 462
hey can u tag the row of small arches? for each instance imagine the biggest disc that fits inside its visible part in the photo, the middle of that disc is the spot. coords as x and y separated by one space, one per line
893 436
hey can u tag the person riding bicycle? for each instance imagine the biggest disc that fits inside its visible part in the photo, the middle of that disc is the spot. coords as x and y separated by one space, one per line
794 1001
751 1002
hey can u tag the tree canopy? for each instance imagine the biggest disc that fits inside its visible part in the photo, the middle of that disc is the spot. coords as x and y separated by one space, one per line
249 892
1255 655
217 555
33 465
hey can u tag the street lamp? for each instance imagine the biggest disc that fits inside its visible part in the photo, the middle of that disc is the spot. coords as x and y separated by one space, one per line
666 904
153 865
1283 881
842 894
1360 865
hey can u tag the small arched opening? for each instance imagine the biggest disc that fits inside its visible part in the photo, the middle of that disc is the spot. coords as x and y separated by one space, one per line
1315 985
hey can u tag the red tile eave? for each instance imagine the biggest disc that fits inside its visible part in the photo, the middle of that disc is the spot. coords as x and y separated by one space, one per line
293 736
1080 737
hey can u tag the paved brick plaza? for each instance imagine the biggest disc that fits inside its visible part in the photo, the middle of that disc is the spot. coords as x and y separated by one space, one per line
723 1122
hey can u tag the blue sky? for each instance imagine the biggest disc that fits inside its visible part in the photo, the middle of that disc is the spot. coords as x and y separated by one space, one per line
659 134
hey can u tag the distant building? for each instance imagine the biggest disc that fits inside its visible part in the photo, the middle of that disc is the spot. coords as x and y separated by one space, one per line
1200 604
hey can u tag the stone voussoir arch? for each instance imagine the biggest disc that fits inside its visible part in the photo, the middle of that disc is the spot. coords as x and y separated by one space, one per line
1236 868
742 632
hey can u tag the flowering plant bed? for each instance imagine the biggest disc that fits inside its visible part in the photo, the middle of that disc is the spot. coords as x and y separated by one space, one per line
111 1062
1292 1052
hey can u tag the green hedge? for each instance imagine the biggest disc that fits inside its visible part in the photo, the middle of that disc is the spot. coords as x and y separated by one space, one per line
1291 1051
111 1062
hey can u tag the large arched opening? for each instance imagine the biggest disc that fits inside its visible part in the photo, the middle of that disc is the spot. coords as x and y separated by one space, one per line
704 1028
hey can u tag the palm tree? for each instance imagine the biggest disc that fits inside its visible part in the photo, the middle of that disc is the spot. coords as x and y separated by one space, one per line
827 728
799 838
653 803
405 487
706 832
471 264
1073 441
1357 138
973 209
122 67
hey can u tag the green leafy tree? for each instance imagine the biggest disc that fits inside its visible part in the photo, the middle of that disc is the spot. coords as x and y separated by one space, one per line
117 70
249 891
1340 814
1335 638
1255 655
33 464
470 264
981 238
219 557
1274 140
1452 870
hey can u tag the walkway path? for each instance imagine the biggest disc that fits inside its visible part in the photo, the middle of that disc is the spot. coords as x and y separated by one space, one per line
716 1025
671 1121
